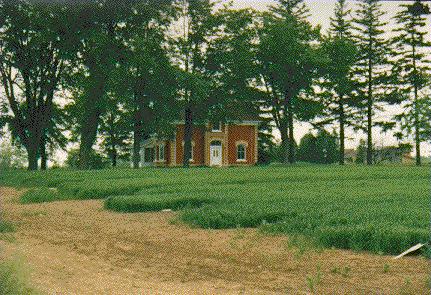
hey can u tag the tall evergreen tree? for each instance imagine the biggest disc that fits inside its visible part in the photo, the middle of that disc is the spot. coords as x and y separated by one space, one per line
289 62
372 65
338 86
412 73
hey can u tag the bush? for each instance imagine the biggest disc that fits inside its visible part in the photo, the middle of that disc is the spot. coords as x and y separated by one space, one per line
39 195
96 160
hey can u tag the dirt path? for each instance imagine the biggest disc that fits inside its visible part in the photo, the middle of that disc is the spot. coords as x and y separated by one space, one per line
76 247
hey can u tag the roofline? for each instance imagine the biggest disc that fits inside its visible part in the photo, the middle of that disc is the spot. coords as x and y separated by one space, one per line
235 122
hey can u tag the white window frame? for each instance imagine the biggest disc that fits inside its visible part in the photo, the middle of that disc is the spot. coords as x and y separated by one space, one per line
161 147
219 127
245 152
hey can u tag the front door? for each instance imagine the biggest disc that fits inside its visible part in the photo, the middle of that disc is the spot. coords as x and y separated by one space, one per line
215 155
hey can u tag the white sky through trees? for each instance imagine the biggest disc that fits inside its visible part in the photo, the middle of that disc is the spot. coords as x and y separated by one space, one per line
320 13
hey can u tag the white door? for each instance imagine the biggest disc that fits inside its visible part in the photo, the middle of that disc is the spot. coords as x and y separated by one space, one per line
215 155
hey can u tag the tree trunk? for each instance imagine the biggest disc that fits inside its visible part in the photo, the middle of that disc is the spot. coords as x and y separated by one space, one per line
369 116
284 131
114 157
43 154
32 157
416 112
93 108
137 138
291 137
138 128
188 132
342 136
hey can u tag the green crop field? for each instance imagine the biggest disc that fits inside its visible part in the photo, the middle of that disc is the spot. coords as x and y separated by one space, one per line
382 209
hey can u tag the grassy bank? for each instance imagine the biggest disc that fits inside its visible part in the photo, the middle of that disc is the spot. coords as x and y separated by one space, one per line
383 209
13 279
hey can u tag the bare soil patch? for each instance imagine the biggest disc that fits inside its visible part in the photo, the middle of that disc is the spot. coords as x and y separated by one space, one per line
76 247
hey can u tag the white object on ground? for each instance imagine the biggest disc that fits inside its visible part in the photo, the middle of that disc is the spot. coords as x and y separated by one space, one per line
412 249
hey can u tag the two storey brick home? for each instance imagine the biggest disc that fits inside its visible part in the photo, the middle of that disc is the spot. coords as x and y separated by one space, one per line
219 144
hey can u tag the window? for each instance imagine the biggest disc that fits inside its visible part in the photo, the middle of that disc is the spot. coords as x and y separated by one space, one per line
161 152
240 152
149 155
217 127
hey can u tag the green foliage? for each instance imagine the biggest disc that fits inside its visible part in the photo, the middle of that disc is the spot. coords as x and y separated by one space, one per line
39 195
96 161
10 155
6 227
289 61
411 73
13 279
370 71
322 149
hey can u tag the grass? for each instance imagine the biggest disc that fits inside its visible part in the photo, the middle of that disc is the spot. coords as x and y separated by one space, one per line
13 279
382 209
39 195
5 227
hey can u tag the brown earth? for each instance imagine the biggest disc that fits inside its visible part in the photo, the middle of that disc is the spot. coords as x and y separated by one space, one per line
76 247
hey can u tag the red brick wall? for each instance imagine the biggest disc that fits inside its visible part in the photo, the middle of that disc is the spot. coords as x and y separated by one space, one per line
198 150
241 133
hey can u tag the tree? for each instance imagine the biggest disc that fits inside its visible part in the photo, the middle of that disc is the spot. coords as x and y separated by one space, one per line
103 33
338 88
371 67
289 62
115 132
199 24
411 72
307 150
327 147
320 149
146 80
231 62
361 152
33 48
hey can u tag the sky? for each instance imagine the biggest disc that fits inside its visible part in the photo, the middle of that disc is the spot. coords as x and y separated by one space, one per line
320 13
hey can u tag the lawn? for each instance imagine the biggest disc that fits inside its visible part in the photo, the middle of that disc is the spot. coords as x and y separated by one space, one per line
382 209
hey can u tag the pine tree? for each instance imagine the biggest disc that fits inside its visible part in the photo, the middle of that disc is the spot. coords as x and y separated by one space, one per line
372 64
338 86
411 72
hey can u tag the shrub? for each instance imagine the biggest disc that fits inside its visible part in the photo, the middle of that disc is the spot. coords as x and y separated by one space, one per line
96 161
39 195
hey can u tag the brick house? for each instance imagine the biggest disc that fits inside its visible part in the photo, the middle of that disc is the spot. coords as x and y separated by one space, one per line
220 144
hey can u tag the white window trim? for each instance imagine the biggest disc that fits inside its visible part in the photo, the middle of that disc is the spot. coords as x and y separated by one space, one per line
161 146
245 151
219 127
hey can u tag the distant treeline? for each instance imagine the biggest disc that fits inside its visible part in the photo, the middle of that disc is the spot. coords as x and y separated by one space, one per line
109 74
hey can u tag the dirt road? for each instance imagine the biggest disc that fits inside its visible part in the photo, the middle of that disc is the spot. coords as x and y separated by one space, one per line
76 247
